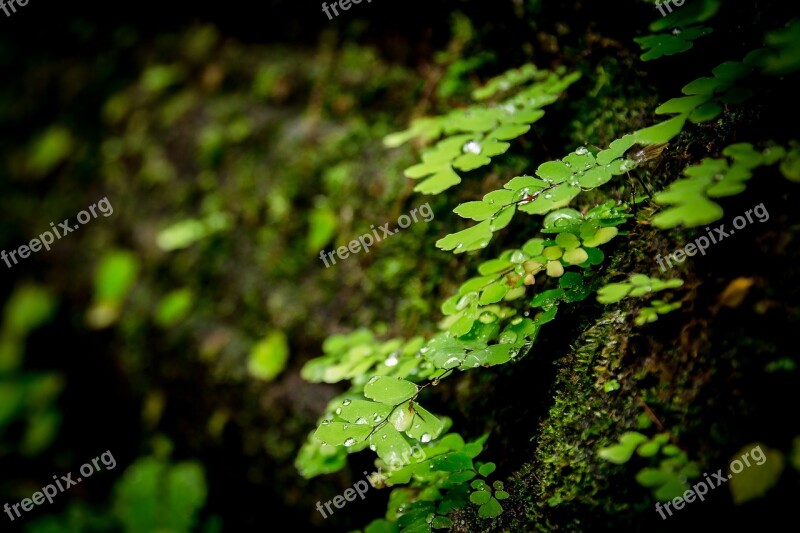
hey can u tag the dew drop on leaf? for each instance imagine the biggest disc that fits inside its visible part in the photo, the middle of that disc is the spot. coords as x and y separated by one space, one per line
361 420
473 147
452 362
346 402
508 337
349 442
425 437
582 151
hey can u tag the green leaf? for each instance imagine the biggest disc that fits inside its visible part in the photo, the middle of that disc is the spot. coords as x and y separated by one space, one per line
509 131
441 181
477 210
494 293
705 112
490 509
494 266
690 13
486 469
754 481
696 212
115 276
662 132
363 412
268 357
790 166
602 236
389 444
479 497
173 307
467 240
390 390
684 104
567 241
652 477
575 256
557 171
340 433
622 452
558 196
704 86
452 462
613 292
322 225
596 177
440 522
469 162
425 427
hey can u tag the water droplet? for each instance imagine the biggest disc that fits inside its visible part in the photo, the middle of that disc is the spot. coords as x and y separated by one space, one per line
452 362
373 379
338 410
526 313
548 196
346 402
582 150
416 426
392 360
377 418
349 442
465 300
425 437
472 147
373 447
345 426
326 422
676 31
361 420
517 257
567 164
508 337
